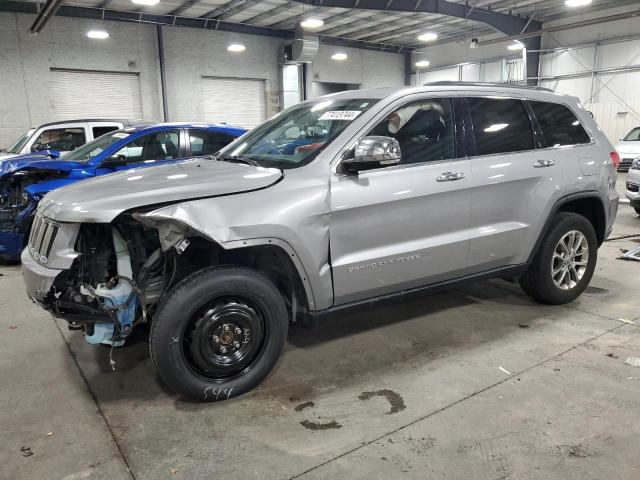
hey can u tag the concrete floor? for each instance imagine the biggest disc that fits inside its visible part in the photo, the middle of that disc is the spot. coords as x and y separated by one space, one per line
475 383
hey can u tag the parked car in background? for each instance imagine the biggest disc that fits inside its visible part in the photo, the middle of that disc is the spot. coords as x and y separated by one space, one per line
25 179
633 185
629 149
57 138
336 202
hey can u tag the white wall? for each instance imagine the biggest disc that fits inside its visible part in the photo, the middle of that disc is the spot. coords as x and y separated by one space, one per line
190 54
26 61
366 68
614 98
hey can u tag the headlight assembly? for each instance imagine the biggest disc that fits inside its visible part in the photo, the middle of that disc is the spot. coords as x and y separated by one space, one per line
636 164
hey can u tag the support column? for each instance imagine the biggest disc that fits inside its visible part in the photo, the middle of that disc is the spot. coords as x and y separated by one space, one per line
407 68
531 60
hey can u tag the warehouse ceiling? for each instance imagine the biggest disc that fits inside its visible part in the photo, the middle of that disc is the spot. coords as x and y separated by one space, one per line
387 29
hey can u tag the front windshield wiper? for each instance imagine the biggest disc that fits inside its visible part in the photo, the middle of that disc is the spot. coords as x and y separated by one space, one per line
235 159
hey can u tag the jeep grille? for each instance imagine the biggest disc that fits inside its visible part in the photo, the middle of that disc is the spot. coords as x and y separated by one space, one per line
43 234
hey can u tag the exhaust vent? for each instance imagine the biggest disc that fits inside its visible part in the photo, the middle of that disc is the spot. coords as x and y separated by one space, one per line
304 47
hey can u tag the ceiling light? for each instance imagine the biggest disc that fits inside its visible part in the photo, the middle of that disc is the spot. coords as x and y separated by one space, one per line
339 56
312 23
516 46
428 37
145 2
577 3
99 34
423 63
236 48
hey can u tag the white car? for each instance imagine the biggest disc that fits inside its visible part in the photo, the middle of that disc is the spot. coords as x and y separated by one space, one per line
629 149
61 136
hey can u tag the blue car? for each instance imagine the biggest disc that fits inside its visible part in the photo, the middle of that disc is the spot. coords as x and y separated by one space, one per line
25 179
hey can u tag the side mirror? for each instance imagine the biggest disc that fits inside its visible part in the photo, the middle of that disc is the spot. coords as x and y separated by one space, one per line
53 153
114 162
373 152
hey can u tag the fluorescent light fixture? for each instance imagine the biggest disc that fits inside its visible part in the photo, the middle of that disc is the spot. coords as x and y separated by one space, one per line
496 127
236 48
99 34
428 37
423 63
339 56
516 46
577 3
312 23
145 2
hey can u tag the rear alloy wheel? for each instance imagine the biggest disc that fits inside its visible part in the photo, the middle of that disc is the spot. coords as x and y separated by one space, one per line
218 333
565 261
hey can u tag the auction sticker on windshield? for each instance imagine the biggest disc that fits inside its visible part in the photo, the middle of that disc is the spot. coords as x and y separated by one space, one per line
347 115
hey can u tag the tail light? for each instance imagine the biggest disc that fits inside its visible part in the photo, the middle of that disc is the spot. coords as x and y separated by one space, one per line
615 158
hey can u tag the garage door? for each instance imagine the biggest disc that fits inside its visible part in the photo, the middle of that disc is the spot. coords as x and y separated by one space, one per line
86 94
236 101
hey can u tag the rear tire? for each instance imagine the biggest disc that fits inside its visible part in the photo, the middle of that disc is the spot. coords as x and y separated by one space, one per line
218 333
637 209
565 261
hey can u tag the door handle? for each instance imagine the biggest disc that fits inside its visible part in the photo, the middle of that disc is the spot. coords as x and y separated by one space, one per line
450 177
544 163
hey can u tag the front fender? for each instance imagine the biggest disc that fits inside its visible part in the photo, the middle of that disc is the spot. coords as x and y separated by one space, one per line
171 231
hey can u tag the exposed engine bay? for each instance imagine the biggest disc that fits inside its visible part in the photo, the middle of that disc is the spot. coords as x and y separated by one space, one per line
123 269
14 198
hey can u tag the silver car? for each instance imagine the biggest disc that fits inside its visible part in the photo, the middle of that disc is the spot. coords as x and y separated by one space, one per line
633 185
335 203
629 149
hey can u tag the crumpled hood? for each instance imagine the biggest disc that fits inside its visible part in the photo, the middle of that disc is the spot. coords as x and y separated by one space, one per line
103 198
36 161
628 148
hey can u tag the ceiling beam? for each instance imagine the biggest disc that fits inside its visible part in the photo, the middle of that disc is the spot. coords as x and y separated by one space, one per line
100 14
277 11
184 7
229 6
503 22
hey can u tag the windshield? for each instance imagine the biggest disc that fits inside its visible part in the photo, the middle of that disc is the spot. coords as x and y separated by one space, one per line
19 144
633 135
297 135
89 150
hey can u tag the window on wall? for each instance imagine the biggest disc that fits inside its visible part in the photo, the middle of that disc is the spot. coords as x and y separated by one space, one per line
205 142
423 129
63 139
152 147
559 125
500 126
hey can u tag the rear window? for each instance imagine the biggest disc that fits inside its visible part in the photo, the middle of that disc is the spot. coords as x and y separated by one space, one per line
99 131
500 125
559 125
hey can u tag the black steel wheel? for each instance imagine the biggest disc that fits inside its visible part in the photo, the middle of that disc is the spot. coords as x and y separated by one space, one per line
218 333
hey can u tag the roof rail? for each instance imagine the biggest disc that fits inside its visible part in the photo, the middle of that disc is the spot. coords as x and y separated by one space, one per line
450 83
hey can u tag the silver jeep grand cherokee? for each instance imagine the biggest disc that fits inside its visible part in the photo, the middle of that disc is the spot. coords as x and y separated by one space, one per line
336 202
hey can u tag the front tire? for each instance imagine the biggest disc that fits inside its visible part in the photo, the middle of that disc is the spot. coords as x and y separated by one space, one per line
637 209
565 261
218 333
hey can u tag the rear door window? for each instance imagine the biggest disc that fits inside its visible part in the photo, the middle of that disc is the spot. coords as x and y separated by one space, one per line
207 142
500 125
559 125
99 131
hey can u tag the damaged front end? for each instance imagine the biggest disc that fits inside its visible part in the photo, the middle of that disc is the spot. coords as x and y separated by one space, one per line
17 208
104 278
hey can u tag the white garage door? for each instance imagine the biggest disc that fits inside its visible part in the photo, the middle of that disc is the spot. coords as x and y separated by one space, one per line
236 101
84 94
